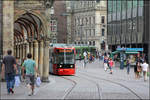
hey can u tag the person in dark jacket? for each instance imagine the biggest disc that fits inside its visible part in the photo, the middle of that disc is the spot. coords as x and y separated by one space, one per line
9 64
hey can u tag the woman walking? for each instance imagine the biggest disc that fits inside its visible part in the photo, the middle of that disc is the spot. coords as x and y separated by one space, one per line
128 66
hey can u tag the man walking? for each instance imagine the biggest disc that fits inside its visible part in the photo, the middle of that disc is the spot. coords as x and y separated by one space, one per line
30 67
128 65
145 70
9 64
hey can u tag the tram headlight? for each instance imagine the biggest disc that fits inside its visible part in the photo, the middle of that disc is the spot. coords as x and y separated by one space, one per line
71 66
60 66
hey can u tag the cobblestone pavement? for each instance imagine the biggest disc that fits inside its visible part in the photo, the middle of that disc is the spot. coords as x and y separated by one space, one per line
90 82
138 86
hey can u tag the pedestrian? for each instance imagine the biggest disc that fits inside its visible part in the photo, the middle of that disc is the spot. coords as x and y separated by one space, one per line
9 66
23 72
90 59
30 67
128 65
85 61
111 64
105 63
145 70
84 54
137 70
99 56
18 64
80 57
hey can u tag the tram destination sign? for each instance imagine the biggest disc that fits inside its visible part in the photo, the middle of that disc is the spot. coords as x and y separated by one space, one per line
130 49
65 50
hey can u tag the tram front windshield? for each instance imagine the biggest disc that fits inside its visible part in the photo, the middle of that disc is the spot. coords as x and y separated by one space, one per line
65 57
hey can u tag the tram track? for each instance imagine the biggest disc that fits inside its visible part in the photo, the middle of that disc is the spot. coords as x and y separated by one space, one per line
75 83
70 89
97 85
85 74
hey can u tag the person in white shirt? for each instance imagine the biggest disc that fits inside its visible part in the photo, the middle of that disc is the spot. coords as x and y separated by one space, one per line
145 70
84 54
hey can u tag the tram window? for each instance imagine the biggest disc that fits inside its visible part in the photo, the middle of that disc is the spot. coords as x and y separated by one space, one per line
64 58
78 51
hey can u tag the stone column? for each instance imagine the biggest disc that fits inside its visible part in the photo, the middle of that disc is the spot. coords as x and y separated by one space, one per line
31 49
27 48
41 58
18 50
21 50
8 25
36 52
23 53
15 50
46 62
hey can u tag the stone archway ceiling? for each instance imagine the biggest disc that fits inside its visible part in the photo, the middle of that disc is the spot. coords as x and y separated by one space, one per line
27 22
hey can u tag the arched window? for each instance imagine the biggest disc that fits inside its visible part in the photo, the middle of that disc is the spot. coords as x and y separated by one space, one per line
90 43
93 43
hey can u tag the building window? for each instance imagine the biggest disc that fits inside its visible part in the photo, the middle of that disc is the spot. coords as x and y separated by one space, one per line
93 43
103 32
82 21
93 20
75 22
86 20
90 32
78 32
103 19
89 20
78 21
75 32
93 32
103 45
89 42
53 25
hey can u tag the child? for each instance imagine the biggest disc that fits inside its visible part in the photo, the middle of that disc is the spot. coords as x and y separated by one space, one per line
111 64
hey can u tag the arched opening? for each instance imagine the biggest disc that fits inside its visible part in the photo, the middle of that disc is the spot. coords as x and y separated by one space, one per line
27 30
28 38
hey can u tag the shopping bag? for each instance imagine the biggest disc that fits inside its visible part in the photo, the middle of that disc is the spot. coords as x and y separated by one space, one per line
17 81
38 81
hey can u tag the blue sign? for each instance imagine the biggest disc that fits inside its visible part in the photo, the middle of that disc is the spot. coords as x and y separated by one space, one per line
130 49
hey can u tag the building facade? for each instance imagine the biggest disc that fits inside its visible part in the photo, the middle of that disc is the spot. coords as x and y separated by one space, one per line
87 23
128 24
61 21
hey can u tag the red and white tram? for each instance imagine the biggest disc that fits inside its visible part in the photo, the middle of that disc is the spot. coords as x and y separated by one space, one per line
62 60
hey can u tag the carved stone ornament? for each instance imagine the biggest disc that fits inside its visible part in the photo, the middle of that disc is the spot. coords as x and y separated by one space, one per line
49 3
